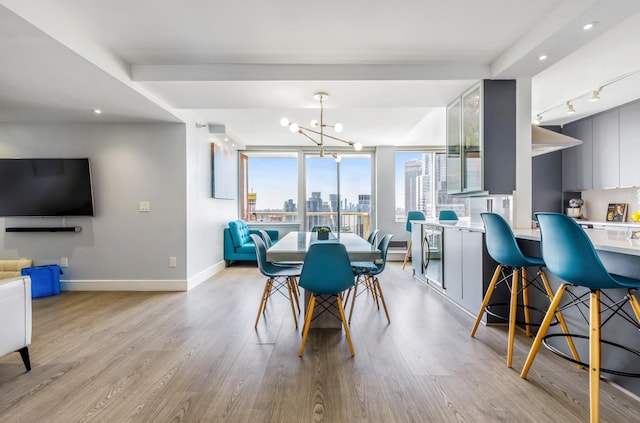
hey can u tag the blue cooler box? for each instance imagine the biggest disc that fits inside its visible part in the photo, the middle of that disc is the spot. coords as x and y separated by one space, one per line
45 280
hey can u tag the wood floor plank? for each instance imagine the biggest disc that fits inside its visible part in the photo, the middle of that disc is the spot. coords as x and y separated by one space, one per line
196 357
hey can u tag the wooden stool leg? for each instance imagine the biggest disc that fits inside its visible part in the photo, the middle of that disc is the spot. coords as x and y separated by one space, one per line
346 327
307 323
525 302
487 298
560 317
594 356
406 256
513 309
543 330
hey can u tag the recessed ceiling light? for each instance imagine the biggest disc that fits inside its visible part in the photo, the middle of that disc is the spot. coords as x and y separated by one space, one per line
542 57
97 111
588 26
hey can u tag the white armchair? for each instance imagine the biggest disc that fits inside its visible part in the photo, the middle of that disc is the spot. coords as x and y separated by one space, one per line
15 317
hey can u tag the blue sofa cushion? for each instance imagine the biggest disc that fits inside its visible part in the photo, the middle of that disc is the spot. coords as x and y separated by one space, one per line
240 234
248 248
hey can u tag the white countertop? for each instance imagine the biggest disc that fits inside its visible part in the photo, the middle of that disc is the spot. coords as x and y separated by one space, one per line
615 238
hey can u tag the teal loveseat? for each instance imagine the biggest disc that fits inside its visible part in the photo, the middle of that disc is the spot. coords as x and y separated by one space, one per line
238 244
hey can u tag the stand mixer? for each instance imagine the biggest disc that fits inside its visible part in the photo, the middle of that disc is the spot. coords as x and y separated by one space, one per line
575 208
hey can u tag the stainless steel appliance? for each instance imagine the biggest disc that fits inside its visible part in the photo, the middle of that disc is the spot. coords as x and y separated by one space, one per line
575 208
427 255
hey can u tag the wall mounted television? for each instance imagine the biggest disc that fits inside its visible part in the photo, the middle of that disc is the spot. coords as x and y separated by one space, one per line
45 187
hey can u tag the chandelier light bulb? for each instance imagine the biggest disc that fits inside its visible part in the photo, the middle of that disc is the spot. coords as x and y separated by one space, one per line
357 146
284 121
293 127
337 127
595 95
314 123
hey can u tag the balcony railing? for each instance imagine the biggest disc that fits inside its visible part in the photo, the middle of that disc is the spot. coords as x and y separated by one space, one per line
356 222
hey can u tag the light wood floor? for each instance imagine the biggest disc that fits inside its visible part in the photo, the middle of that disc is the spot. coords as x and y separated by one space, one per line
195 357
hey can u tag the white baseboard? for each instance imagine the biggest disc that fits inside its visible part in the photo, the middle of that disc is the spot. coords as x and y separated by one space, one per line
142 285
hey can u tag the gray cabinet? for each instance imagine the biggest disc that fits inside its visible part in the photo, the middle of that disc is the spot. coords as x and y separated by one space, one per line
452 251
463 267
629 145
606 153
569 161
481 133
577 162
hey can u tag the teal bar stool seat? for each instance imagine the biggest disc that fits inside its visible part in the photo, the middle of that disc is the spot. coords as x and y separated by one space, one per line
512 270
411 216
570 255
447 215
279 278
326 274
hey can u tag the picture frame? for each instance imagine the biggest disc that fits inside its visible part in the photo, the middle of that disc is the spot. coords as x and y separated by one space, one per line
616 212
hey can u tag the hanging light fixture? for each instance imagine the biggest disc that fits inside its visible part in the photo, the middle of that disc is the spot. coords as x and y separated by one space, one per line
321 125
570 108
595 95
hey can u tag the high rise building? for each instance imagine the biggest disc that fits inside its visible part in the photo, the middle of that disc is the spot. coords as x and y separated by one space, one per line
412 170
251 206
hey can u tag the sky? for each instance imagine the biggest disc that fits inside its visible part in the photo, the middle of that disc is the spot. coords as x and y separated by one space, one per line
275 180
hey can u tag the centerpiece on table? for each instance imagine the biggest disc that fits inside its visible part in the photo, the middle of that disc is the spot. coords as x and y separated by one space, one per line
323 233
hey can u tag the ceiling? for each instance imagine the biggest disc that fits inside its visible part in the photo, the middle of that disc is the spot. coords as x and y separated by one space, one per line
247 63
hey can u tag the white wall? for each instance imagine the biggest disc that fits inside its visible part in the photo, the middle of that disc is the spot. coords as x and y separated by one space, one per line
119 248
207 217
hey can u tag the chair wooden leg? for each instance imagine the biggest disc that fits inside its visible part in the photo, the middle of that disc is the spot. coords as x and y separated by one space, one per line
406 256
487 298
262 302
371 289
542 331
594 356
560 317
291 296
635 305
525 303
292 283
513 309
346 326
355 295
378 288
307 323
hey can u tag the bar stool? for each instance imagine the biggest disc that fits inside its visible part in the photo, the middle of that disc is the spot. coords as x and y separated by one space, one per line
569 254
412 215
503 248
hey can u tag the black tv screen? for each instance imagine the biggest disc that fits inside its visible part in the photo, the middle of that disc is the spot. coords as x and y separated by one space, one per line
45 187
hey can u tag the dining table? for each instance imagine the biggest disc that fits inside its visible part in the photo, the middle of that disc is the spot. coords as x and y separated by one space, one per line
293 247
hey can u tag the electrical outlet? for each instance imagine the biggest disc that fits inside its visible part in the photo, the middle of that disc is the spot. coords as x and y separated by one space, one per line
172 262
64 262
144 206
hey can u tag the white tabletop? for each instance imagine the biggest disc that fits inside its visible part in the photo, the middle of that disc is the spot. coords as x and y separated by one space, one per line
294 245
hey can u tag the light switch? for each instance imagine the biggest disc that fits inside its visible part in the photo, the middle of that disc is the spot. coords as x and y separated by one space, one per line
144 206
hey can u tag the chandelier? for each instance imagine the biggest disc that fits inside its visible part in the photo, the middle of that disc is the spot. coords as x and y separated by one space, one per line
311 134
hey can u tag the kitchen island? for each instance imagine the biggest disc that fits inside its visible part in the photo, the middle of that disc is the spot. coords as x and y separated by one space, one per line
467 273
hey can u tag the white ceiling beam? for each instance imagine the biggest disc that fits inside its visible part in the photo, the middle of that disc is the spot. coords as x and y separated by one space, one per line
284 72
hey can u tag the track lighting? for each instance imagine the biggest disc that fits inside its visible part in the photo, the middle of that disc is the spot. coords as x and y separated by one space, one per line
570 108
595 95
538 119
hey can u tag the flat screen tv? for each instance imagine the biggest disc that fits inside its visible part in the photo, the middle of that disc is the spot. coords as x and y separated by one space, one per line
45 187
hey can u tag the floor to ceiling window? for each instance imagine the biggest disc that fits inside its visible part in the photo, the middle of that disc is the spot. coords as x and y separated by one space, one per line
338 194
421 185
269 186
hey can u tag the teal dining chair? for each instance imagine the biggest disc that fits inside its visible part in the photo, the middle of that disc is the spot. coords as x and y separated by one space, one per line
411 216
371 239
368 272
326 274
512 271
570 255
279 278
447 215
